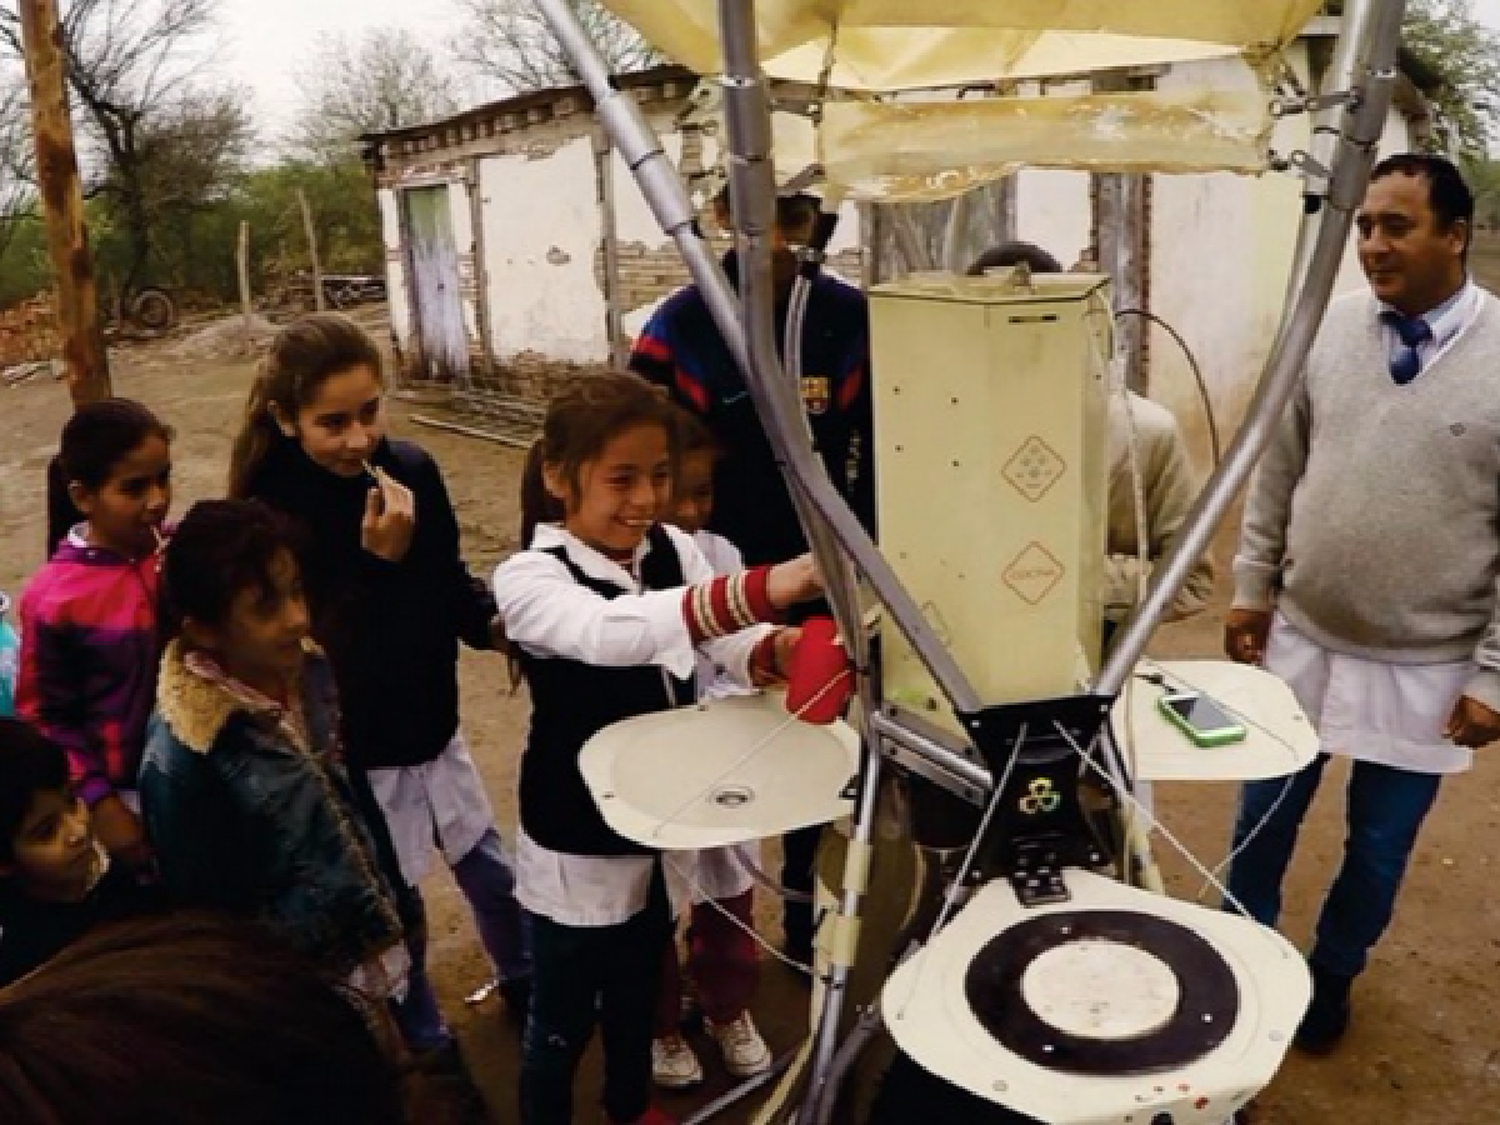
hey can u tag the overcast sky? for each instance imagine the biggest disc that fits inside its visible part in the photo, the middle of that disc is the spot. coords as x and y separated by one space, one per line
267 39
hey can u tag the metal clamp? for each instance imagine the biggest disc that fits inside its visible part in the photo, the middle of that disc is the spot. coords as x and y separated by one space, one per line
1313 103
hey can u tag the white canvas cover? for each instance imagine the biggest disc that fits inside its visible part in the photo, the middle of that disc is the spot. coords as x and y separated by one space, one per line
875 144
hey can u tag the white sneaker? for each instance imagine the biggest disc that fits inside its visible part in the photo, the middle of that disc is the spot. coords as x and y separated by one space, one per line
745 1052
673 1064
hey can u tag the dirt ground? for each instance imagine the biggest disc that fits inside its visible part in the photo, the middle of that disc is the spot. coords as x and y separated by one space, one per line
1423 1047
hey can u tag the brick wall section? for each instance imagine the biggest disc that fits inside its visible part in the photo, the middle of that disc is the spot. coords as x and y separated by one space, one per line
29 332
647 274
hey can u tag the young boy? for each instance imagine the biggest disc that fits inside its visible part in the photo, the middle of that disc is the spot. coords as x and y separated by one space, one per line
56 882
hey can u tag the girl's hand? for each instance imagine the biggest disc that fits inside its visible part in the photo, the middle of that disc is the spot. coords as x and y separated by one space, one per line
793 582
497 635
390 519
785 645
772 659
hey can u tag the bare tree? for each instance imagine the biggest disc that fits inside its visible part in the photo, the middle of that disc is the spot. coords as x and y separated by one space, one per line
17 160
193 149
509 42
132 63
384 80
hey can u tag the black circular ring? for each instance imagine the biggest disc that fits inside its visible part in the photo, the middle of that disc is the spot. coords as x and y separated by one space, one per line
1207 1005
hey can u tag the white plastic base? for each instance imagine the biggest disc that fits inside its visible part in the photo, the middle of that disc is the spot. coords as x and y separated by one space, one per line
928 1013
1281 739
722 772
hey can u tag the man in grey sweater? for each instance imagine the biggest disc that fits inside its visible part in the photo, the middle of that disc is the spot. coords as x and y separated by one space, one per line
1367 566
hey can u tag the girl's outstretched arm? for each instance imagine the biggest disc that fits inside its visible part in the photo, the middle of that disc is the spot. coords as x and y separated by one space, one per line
547 612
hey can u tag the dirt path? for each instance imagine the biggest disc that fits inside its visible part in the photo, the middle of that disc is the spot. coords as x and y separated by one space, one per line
1423 1047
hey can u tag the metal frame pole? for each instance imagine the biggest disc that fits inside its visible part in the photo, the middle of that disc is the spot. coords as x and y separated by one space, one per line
1348 133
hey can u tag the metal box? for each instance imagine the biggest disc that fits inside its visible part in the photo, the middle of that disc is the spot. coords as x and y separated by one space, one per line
992 452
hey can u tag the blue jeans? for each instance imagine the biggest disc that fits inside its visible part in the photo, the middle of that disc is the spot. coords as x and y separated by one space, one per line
587 975
1385 810
487 881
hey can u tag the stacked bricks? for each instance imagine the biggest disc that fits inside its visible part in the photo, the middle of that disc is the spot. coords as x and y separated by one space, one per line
29 332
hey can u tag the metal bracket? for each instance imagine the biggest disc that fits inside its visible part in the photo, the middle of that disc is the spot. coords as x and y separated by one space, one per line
1039 825
1302 162
1037 877
928 752
1313 103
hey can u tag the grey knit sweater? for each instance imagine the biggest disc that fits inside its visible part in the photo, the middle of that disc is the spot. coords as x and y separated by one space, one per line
1373 521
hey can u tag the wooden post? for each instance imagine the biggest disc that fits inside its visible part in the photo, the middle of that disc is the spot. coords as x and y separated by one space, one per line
85 363
242 261
312 249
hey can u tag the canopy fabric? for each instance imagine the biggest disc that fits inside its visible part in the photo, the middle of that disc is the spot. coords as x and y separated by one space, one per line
889 45
927 151
893 128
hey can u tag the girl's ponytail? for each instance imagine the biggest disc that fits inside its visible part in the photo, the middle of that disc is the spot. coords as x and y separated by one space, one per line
258 433
538 506
62 514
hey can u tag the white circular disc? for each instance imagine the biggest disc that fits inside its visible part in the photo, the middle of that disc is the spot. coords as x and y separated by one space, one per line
1097 989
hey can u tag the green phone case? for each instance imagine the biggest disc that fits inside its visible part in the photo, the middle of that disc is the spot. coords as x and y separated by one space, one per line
1206 738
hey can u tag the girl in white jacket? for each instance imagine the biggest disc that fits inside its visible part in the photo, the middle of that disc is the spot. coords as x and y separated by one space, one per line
606 611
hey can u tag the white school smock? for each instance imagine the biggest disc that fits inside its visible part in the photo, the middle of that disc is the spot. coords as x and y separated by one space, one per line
548 613
442 800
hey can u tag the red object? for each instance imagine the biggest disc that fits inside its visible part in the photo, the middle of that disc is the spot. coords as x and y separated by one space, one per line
821 679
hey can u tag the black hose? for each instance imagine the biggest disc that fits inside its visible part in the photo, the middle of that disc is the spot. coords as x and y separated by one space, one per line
1208 406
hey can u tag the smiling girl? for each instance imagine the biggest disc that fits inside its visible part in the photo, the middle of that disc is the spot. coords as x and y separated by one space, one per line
390 599
607 611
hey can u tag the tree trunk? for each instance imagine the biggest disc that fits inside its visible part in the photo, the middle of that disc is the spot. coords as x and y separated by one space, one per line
85 362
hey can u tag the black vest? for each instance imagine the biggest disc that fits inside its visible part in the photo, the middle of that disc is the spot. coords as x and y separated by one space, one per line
571 702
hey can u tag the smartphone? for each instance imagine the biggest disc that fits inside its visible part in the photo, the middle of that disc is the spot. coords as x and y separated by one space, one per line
1201 719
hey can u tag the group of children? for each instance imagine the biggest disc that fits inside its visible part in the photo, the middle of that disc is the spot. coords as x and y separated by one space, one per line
255 711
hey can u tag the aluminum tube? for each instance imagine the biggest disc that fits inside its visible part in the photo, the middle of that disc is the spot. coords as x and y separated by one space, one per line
1367 64
864 1030
971 773
752 187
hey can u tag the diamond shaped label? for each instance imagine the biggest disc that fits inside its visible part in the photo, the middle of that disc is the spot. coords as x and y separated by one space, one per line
1034 573
1034 468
